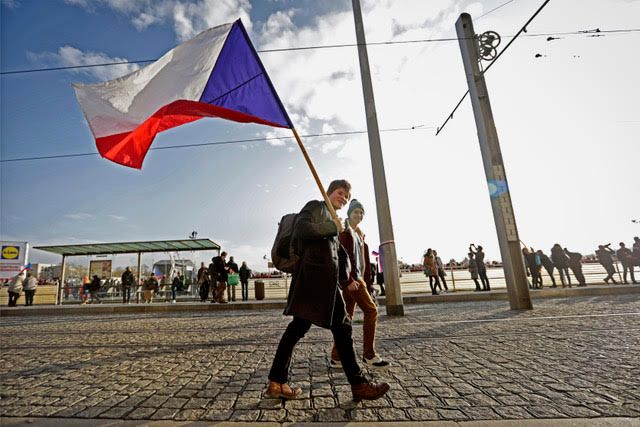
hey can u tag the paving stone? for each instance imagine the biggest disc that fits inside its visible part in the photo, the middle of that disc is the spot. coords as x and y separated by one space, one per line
117 412
332 415
513 412
358 414
189 414
141 413
451 414
300 416
274 415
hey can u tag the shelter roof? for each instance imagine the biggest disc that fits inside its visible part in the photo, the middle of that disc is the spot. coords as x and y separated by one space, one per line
132 247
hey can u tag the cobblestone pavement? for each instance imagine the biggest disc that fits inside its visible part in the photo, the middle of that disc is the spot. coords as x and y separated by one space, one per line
568 358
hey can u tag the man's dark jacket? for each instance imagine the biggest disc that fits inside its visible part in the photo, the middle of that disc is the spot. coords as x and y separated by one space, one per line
323 269
219 267
127 279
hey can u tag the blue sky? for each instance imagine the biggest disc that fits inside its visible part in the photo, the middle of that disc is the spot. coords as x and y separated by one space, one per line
568 124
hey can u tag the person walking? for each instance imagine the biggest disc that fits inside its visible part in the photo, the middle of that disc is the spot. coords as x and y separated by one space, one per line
220 269
561 261
548 265
30 285
232 279
315 297
359 291
604 253
127 281
441 271
244 275
575 263
430 270
176 285
14 289
482 268
529 265
625 257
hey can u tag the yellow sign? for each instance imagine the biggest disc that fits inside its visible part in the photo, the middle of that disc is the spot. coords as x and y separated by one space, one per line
10 252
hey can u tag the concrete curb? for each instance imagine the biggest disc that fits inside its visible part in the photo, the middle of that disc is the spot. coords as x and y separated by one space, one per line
497 295
550 422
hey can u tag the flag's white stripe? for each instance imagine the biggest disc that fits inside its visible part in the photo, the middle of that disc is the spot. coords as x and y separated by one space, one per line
120 105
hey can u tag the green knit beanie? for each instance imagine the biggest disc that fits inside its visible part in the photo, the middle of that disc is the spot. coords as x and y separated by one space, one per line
354 205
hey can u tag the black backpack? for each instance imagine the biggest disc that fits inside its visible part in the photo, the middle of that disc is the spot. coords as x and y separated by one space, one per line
283 254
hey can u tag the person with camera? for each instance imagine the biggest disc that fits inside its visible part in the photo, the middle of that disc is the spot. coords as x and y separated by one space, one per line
604 253
482 268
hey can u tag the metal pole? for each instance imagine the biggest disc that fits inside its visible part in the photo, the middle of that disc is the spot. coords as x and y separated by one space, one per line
139 276
63 267
503 216
389 259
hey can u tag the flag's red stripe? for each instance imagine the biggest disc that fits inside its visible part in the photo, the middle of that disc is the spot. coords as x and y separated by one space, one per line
130 148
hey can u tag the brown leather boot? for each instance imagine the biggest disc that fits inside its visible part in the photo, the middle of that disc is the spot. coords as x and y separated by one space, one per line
276 390
369 391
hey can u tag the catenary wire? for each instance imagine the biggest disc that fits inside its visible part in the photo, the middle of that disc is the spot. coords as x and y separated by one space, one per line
333 46
237 141
523 29
494 9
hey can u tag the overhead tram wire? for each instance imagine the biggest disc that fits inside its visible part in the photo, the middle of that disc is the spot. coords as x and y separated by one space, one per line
494 9
238 141
334 46
523 29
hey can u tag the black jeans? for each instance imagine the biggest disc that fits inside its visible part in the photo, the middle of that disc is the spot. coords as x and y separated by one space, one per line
28 296
13 298
296 331
245 290
629 268
126 295
442 274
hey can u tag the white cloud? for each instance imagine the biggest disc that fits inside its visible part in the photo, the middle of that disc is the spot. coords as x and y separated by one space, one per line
118 218
79 216
187 17
69 56
10 4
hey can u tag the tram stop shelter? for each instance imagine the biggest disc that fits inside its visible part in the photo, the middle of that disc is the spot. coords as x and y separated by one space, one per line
117 248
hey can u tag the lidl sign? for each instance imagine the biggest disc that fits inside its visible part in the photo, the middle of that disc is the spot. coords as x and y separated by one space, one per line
13 257
10 252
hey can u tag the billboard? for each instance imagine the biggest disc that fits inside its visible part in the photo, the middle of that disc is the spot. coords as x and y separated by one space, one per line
100 268
13 257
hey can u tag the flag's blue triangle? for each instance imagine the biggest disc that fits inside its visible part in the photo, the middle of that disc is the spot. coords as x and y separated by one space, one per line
239 81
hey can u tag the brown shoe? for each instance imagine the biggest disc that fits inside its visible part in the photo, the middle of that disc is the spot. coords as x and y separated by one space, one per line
276 390
369 391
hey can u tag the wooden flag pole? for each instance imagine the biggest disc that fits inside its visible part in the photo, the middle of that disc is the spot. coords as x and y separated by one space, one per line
332 211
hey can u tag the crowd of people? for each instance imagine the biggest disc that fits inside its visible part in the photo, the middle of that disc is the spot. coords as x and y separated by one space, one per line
220 276
560 259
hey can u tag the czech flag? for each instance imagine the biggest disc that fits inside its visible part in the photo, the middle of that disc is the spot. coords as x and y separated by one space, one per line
216 74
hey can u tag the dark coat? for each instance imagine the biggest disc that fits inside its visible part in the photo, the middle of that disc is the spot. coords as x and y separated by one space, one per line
323 269
127 279
245 274
559 258
220 269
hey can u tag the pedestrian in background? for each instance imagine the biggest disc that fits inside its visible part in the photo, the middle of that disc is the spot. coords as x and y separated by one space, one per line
176 285
150 287
441 271
232 279
220 270
548 265
204 280
244 275
126 281
605 259
30 285
575 263
14 289
482 268
624 255
430 270
561 261
473 270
